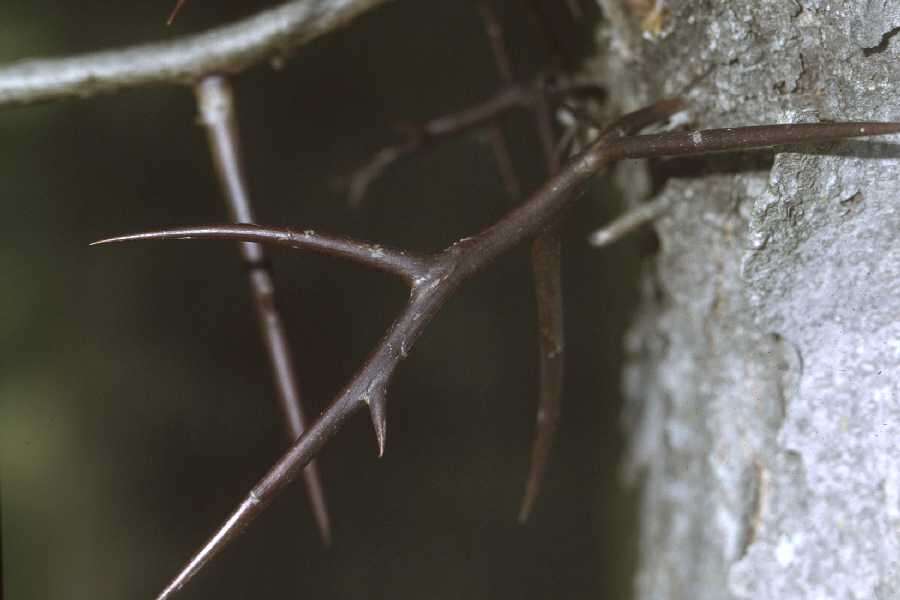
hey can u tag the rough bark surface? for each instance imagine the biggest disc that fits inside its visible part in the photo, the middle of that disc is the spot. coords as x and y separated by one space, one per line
763 378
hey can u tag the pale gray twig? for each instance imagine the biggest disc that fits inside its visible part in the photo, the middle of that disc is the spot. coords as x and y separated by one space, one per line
631 220
226 49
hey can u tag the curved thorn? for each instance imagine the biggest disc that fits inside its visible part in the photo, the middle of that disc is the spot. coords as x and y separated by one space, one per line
400 263
545 258
546 268
737 138
375 397
285 471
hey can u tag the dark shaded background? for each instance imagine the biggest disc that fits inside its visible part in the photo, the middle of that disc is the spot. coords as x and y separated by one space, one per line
136 407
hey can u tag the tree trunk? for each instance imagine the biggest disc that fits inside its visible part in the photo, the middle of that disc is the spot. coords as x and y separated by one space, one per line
763 377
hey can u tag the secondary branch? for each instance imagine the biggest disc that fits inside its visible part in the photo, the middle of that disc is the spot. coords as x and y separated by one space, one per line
226 49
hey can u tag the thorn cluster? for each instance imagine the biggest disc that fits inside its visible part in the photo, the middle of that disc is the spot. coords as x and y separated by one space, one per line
434 278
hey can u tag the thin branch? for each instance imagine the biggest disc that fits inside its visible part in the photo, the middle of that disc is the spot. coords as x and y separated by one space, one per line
226 49
630 221
216 102
484 114
546 253
443 273
545 261
375 256
546 266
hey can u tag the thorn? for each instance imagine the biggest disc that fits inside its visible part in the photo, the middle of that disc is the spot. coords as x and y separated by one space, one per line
240 232
541 448
122 238
743 138
630 221
545 259
174 12
378 413
245 513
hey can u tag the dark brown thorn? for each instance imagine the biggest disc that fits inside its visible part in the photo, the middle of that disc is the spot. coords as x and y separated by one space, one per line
216 103
545 253
738 138
631 123
174 12
546 270
378 413
546 266
400 263
375 394
284 472
248 510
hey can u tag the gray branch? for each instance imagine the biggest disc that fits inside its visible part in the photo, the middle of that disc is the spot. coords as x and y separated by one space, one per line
227 49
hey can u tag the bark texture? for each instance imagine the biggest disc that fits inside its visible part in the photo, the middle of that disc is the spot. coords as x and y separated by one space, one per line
764 370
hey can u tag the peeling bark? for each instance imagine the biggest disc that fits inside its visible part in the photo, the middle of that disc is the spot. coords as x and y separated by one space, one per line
763 381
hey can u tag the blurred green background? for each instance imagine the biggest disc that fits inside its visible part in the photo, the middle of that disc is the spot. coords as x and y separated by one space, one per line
136 407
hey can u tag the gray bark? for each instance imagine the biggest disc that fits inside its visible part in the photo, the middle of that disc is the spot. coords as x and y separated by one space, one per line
763 378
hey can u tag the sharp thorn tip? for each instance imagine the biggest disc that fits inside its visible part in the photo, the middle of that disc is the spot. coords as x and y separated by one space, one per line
379 422
380 438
